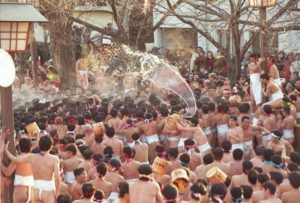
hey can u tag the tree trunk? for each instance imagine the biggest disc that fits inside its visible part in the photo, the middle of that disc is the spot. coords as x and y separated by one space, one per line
63 50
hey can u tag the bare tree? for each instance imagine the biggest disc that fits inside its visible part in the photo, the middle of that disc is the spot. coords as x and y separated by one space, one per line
233 17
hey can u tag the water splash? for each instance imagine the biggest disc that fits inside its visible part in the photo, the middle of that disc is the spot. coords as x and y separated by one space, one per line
163 75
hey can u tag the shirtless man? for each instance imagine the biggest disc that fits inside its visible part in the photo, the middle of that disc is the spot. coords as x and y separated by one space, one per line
206 122
100 183
88 191
195 157
269 123
273 70
129 166
145 190
45 167
113 175
242 179
235 134
113 142
269 193
82 73
127 130
70 163
196 133
294 194
254 70
149 129
248 135
288 125
114 121
141 149
98 147
81 178
23 175
272 91
222 122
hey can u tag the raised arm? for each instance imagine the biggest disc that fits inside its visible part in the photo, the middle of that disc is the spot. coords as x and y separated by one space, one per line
20 159
57 176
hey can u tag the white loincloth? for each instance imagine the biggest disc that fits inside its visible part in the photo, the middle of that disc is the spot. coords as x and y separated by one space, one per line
288 134
277 82
277 95
173 138
256 87
237 146
25 181
255 121
152 138
266 139
181 142
83 78
69 177
248 146
131 144
44 185
113 196
222 129
207 131
298 115
203 148
131 180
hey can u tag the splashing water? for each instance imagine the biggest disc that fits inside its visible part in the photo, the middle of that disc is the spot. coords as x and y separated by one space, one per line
163 75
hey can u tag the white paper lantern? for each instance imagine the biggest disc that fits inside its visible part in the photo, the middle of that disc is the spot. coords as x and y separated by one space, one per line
7 69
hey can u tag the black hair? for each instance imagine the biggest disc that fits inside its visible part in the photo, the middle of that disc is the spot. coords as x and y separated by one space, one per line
259 150
267 155
45 143
135 136
247 165
267 109
294 179
113 112
99 196
25 145
277 161
237 154
265 76
78 171
110 132
252 176
71 148
236 194
218 153
128 151
88 190
101 169
262 178
123 189
115 163
189 142
293 167
245 118
218 190
244 108
208 159
270 186
64 198
145 169
185 159
172 152
277 177
295 157
108 152
287 110
226 145
87 154
247 191
198 188
170 193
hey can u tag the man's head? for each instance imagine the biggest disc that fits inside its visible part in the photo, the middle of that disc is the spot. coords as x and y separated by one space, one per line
64 198
226 145
101 170
236 194
238 154
247 166
265 78
80 175
294 179
218 153
276 177
110 132
172 153
232 121
25 145
128 152
269 189
267 109
88 190
170 193
71 150
45 143
245 121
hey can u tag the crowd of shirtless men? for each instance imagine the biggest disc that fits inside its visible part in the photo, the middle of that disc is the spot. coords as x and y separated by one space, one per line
103 151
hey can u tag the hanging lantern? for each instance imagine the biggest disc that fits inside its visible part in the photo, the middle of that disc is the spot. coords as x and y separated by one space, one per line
262 3
7 69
